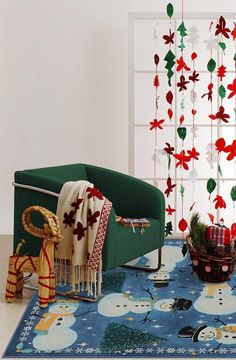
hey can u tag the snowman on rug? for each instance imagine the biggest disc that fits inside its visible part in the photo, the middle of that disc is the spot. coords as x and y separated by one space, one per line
225 334
53 330
216 299
119 304
160 278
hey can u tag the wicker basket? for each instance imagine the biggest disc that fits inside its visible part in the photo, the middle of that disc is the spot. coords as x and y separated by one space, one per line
211 268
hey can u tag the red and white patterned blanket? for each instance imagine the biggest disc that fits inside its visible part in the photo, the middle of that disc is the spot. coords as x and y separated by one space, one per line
83 214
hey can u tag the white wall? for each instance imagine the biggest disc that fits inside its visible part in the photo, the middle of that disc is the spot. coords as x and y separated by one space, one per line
64 83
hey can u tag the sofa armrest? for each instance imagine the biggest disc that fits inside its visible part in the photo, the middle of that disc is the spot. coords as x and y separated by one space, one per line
131 197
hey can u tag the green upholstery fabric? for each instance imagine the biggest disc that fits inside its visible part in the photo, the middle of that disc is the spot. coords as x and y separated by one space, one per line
130 197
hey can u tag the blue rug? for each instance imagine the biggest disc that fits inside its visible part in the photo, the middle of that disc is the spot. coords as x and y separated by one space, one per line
166 314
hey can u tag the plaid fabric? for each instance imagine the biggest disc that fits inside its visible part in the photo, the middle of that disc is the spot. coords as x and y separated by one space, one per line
220 234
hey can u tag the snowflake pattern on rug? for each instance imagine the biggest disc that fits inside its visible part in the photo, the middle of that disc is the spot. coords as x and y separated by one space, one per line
168 313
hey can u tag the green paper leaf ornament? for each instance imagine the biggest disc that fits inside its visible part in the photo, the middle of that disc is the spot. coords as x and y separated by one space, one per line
222 91
233 193
222 45
211 65
170 10
182 189
211 185
182 132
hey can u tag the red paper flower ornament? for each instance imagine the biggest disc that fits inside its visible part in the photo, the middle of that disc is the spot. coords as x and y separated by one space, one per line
156 124
231 149
232 88
219 202
193 153
169 39
221 28
220 115
182 64
194 76
182 83
169 149
182 160
220 144
170 186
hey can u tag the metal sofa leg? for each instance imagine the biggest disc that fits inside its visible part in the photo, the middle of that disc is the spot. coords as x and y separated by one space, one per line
147 268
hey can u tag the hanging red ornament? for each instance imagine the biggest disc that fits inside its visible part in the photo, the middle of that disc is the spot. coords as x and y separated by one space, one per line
183 225
169 149
170 113
231 149
182 83
221 28
156 59
170 210
170 186
181 119
169 39
221 72
220 144
182 160
220 115
156 82
193 153
169 97
194 112
194 76
156 124
209 93
219 202
193 56
232 88
181 64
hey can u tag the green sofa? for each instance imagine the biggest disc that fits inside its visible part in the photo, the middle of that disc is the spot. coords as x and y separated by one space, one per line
130 198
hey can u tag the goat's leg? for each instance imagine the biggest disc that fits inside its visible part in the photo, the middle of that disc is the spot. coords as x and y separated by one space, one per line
11 280
19 284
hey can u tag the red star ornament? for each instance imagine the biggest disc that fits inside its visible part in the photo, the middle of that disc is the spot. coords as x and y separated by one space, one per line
170 210
156 124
